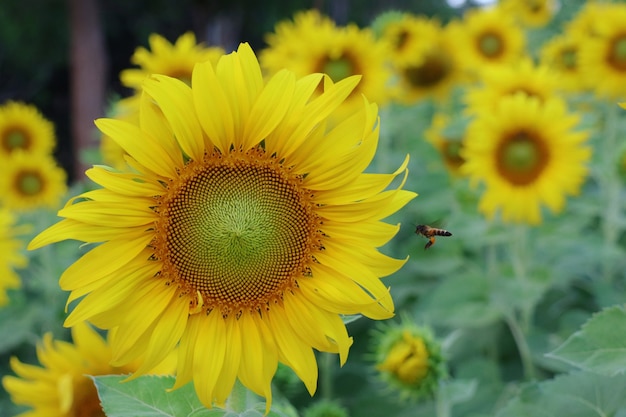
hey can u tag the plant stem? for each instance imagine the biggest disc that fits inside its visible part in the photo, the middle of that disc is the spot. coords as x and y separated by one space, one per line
441 403
326 376
522 346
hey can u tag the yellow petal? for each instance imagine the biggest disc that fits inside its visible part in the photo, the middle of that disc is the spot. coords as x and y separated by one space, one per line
208 355
232 360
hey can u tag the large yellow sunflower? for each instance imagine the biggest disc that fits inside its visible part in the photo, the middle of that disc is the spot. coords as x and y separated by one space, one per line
339 52
436 68
497 82
12 257
528 155
562 55
487 37
23 127
246 228
31 182
61 387
603 57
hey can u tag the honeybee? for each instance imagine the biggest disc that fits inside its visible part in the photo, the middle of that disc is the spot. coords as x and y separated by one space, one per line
430 233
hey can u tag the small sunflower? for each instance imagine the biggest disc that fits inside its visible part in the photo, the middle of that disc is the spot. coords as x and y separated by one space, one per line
339 52
61 386
531 13
23 127
527 155
487 37
562 55
406 36
245 229
436 68
31 181
12 257
603 57
409 359
174 60
448 140
501 81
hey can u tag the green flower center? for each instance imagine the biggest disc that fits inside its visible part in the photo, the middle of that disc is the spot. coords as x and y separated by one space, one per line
15 139
238 231
338 69
490 45
430 73
521 157
29 183
617 53
568 59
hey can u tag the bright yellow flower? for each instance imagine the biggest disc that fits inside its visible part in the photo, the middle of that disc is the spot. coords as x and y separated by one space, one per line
339 52
23 127
502 81
245 230
12 256
562 55
61 386
532 13
603 57
30 182
436 68
487 37
175 60
527 155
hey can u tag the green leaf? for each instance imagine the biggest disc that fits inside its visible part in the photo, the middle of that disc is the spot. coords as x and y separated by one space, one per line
457 391
579 394
600 345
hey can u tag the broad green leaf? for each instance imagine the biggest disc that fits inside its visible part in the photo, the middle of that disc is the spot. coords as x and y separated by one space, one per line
579 394
600 345
456 391
147 396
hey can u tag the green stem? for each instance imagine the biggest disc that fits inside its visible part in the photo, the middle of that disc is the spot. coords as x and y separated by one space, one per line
326 376
522 346
442 405
237 399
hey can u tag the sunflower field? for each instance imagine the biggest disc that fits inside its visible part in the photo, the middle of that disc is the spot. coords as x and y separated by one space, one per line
326 209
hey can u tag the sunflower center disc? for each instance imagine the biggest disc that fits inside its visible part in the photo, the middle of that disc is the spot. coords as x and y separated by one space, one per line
521 158
338 69
29 183
568 59
490 45
15 139
238 232
430 73
618 53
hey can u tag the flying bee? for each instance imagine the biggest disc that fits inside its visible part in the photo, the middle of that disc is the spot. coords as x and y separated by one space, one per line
430 233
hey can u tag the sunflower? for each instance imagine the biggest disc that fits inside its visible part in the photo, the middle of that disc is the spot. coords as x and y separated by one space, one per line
243 232
12 257
532 13
339 52
561 54
61 387
175 60
501 81
603 57
407 36
31 182
488 37
23 127
527 155
436 68
448 140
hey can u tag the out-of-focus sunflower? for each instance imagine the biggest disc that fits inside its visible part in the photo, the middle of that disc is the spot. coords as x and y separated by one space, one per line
174 60
406 36
448 140
562 55
528 155
12 257
245 230
23 127
436 68
487 37
339 52
61 386
603 57
501 81
32 181
531 13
